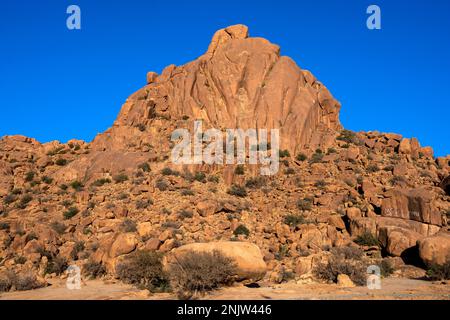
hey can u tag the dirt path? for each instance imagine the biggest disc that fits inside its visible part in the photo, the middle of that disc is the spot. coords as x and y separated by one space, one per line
394 288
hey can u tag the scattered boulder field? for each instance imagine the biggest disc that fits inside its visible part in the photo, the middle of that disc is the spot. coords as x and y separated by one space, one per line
340 202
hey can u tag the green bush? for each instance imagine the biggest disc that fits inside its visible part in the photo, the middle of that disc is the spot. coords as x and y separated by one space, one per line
66 203
47 180
128 225
305 204
386 268
289 171
10 198
29 176
439 272
214 179
169 172
144 269
336 265
76 185
55 151
16 191
58 227
144 167
61 162
283 252
72 212
238 191
316 158
5 285
162 185
372 168
93 270
55 265
143 203
101 182
171 225
200 177
31 236
367 239
255 183
301 157
348 253
239 170
4 226
196 273
348 136
331 151
7 241
76 250
20 260
241 229
294 220
187 192
25 200
185 214
284 153
320 184
22 282
120 178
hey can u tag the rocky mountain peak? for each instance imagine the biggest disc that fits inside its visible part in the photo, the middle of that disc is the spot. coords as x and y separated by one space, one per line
222 36
240 82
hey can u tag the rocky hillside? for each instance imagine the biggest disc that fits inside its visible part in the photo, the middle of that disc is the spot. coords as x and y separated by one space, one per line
78 203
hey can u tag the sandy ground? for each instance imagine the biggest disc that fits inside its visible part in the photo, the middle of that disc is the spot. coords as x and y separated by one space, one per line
393 288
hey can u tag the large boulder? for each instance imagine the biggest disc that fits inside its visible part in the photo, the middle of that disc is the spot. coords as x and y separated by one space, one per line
248 258
435 249
415 204
424 229
124 244
397 241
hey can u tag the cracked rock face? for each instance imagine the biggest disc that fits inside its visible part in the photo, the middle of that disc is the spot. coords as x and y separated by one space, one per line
240 82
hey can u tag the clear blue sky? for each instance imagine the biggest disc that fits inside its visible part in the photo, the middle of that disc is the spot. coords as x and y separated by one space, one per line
58 84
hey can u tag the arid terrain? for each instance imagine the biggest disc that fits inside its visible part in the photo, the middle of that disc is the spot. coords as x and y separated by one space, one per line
393 288
340 202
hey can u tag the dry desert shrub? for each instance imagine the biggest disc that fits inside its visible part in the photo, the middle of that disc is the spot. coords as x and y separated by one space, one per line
196 273
386 268
367 239
128 225
238 191
144 269
19 282
439 272
343 261
93 270
348 253
256 182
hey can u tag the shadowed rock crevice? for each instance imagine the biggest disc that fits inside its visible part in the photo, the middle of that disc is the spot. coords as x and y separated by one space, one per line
445 184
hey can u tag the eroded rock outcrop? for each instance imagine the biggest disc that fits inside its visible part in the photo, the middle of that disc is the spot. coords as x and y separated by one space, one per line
240 82
435 250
